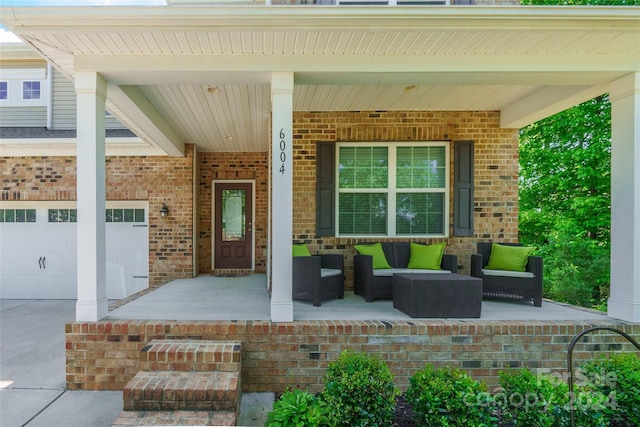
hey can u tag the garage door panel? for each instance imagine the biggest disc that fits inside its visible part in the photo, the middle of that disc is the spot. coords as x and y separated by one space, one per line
39 260
21 237
44 286
61 237
128 259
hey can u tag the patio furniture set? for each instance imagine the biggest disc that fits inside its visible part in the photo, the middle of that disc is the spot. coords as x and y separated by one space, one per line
421 279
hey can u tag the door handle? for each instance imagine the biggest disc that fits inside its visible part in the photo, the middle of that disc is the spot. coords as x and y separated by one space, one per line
40 263
44 259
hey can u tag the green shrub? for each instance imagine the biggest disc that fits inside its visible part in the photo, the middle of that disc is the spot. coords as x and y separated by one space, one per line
530 400
448 397
359 391
297 408
608 389
576 270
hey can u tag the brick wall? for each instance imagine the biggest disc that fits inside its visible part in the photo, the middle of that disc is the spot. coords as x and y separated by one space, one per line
232 166
496 170
105 355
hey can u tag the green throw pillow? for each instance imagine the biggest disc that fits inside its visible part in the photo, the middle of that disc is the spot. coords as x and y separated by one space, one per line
301 250
426 257
379 260
510 258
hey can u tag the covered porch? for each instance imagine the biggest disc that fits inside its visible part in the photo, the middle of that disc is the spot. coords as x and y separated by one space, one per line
158 73
105 355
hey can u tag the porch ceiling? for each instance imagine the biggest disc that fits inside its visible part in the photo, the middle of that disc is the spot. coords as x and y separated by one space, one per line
527 62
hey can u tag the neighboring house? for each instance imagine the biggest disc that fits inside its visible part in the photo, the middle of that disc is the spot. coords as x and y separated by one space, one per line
258 126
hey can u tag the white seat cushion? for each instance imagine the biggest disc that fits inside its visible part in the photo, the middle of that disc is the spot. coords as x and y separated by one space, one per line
506 273
388 272
326 272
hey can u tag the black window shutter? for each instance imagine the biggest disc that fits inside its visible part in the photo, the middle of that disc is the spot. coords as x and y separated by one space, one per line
325 188
463 188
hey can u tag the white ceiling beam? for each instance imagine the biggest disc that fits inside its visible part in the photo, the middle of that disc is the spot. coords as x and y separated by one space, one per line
255 68
144 115
546 102
67 147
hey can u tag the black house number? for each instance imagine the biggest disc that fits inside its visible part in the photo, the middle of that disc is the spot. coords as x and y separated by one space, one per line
283 155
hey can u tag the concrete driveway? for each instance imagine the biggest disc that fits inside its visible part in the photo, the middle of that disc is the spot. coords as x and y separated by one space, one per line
32 370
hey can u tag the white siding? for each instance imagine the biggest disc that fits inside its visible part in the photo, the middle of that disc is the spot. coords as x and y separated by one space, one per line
23 116
64 105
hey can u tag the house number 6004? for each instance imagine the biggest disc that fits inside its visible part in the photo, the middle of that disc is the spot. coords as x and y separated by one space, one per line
283 145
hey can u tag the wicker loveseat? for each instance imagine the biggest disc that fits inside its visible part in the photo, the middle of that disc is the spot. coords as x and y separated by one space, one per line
523 286
318 277
373 283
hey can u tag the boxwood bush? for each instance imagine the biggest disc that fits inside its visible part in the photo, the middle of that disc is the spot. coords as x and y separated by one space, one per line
359 391
448 397
608 391
530 400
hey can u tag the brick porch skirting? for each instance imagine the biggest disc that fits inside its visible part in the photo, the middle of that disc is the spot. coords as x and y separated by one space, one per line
105 355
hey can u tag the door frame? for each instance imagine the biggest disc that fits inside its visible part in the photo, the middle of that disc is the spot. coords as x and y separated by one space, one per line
213 219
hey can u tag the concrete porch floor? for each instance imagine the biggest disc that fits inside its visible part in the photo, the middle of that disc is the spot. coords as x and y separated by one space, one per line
246 298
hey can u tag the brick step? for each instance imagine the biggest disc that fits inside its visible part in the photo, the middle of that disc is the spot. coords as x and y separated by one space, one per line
180 390
175 418
191 355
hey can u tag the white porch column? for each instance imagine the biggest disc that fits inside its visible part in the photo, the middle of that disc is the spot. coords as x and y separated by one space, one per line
281 195
624 301
92 304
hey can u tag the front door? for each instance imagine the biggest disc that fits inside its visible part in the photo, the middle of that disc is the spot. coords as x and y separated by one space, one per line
233 225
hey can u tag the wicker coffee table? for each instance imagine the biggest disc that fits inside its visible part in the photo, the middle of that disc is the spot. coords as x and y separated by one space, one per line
437 295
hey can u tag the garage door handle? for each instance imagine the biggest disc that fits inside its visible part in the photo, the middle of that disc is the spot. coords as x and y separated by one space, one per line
41 262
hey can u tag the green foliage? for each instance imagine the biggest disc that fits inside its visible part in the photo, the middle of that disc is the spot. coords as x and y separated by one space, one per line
528 400
580 2
565 173
448 397
576 269
297 408
609 391
360 391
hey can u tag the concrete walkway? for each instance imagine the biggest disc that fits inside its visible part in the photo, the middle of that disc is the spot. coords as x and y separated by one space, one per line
32 370
32 373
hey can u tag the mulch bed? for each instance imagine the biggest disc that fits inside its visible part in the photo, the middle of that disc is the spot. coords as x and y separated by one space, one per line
403 415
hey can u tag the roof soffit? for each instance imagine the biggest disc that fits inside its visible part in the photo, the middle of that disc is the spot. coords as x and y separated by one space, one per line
515 56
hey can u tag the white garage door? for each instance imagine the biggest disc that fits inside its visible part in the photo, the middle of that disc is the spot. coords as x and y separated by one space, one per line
38 250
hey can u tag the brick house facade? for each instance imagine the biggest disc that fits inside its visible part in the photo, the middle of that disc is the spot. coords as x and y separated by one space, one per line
168 179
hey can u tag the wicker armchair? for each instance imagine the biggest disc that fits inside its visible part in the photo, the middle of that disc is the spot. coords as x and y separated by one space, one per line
317 278
525 286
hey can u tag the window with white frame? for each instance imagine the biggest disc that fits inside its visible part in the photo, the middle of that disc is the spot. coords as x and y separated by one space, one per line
31 90
17 215
63 215
393 189
24 87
